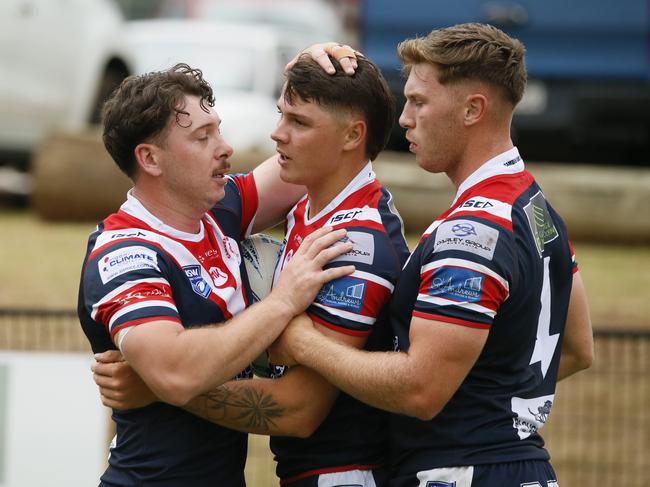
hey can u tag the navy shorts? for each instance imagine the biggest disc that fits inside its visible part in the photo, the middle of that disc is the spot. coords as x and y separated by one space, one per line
528 473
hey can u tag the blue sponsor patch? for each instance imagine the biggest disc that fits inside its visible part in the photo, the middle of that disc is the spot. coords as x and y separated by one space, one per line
199 285
345 293
457 284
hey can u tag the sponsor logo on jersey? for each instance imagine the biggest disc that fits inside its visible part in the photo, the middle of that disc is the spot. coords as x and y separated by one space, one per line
485 205
363 248
479 203
135 234
540 221
219 278
231 249
345 293
457 284
126 259
512 162
208 255
463 229
144 294
365 213
468 236
530 414
199 285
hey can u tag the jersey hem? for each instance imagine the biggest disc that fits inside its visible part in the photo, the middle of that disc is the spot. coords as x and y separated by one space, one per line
319 471
454 321
340 329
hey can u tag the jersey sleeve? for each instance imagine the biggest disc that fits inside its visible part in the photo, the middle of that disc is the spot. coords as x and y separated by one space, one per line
124 286
465 272
574 263
241 200
351 304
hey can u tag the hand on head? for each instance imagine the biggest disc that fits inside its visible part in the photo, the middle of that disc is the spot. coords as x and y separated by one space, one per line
343 53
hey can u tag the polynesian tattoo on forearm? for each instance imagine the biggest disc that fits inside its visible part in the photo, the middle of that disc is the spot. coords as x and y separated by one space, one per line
245 407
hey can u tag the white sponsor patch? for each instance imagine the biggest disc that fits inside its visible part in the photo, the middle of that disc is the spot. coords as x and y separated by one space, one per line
125 260
365 213
530 414
468 236
363 249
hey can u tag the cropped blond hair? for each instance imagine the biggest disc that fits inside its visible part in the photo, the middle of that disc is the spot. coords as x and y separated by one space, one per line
471 51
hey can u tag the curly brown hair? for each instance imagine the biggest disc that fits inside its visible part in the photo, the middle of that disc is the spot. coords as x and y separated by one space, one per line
471 51
140 109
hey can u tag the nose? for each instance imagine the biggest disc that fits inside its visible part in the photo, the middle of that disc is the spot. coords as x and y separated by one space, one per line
279 135
224 149
406 118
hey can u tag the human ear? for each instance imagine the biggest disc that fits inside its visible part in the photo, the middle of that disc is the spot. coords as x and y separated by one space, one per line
146 156
475 108
355 134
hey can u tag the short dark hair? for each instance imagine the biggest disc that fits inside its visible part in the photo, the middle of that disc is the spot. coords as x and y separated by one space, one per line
471 51
141 107
366 92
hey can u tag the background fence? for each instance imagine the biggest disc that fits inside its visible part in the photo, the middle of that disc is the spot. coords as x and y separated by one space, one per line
598 432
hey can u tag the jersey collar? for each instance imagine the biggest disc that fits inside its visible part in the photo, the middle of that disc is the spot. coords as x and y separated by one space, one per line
363 177
508 162
135 208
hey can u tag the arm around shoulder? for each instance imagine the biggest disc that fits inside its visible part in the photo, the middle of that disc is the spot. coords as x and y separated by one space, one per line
275 196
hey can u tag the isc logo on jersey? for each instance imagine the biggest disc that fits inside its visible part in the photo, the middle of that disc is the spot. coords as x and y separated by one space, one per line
365 213
486 205
126 259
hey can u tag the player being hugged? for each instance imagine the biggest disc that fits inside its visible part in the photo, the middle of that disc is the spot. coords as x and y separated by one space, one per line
331 127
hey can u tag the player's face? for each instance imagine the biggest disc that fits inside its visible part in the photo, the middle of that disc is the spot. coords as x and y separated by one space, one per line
195 157
432 117
309 141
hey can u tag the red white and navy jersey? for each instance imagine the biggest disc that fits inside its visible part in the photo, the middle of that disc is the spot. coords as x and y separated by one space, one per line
138 270
353 435
499 259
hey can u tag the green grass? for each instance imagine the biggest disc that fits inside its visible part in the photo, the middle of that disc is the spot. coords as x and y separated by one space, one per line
41 262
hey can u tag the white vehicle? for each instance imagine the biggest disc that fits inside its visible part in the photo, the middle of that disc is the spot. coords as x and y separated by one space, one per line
61 58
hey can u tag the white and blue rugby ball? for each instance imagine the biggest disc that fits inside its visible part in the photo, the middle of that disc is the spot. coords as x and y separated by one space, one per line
260 253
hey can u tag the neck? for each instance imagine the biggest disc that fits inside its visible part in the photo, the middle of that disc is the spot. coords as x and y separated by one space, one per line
321 193
169 211
479 149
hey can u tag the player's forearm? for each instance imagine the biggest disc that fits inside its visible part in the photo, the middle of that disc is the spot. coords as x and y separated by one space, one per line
572 363
200 359
375 378
264 406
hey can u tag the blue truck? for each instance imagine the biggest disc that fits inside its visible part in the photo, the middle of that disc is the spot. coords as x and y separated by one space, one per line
588 63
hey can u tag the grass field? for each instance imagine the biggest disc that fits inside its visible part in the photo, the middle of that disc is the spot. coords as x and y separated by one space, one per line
41 262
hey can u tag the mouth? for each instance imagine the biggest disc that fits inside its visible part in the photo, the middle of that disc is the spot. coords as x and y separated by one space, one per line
220 172
412 145
282 158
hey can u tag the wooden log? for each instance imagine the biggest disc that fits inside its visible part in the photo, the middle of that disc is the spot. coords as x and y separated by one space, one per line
74 178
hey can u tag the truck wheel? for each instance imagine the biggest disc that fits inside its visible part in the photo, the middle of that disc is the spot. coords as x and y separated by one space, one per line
112 78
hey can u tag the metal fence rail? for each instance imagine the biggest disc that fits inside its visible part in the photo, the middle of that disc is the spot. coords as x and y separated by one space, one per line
597 434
